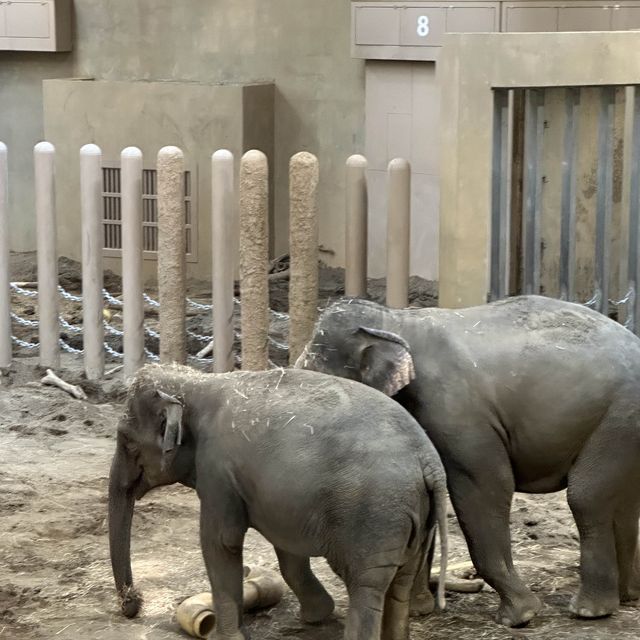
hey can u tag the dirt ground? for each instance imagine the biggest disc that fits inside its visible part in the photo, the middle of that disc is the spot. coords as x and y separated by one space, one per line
55 577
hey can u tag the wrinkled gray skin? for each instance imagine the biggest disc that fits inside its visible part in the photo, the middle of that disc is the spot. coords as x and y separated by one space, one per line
528 394
319 465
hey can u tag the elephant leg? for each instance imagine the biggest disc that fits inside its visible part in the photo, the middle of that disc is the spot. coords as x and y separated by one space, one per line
222 552
600 492
315 603
395 620
422 600
367 589
481 493
626 533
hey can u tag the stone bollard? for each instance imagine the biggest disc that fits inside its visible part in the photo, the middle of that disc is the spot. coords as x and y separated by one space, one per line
5 292
92 278
133 309
303 249
49 330
171 256
356 232
254 260
223 209
398 233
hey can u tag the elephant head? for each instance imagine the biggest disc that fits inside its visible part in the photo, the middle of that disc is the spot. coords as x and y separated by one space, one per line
350 340
153 448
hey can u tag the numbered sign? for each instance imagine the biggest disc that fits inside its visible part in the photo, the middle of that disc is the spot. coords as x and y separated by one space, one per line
423 26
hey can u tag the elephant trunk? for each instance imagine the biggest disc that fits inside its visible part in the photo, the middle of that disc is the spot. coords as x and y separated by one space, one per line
122 484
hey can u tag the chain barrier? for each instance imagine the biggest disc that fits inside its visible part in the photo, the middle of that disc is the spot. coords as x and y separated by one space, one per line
113 331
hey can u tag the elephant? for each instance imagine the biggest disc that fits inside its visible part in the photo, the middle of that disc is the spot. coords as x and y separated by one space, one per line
526 394
301 457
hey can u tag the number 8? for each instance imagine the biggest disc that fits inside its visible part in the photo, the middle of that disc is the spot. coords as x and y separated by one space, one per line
423 26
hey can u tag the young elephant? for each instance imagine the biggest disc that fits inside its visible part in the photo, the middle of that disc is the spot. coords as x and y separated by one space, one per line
319 465
528 394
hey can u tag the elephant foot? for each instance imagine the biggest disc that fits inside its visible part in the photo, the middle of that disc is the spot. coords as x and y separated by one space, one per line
630 595
317 609
238 635
520 612
584 606
422 604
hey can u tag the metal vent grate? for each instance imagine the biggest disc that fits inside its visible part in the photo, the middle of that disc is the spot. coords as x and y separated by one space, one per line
112 213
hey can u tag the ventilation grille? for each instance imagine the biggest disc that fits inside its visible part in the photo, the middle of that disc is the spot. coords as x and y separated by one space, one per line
112 213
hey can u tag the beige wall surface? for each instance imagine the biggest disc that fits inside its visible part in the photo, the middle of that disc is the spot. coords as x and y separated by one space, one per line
301 45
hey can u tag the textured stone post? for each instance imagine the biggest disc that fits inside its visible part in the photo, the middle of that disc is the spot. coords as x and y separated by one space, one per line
398 233
254 260
171 256
355 280
49 333
303 249
5 292
224 245
91 214
133 310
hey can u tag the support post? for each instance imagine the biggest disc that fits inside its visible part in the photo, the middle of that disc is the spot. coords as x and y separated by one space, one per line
355 280
224 248
49 330
398 233
254 260
133 310
303 249
91 215
5 292
171 256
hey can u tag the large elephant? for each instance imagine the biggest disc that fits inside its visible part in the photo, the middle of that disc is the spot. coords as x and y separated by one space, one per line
527 394
304 459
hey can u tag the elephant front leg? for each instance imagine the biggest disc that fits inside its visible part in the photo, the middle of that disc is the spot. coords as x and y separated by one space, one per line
222 552
482 500
315 603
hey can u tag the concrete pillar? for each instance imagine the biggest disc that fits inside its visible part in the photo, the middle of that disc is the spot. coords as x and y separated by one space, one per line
171 256
133 310
398 233
49 334
5 292
254 260
356 233
303 249
91 214
224 247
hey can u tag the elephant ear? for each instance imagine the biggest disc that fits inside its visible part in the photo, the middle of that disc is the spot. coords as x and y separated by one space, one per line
172 410
386 362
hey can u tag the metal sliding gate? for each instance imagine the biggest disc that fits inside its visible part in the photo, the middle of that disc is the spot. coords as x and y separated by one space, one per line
517 206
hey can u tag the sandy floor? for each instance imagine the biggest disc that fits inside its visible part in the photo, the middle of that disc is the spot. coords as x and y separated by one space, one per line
55 580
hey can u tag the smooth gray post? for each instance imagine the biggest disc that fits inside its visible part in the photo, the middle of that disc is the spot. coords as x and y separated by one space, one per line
604 201
633 274
91 217
224 247
355 277
5 292
500 195
398 233
171 256
254 260
568 197
133 310
532 209
49 331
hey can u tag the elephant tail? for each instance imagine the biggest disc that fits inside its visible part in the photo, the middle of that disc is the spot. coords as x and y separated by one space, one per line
437 487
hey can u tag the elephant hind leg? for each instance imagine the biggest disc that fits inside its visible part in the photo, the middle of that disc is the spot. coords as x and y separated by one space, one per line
626 533
315 603
395 620
601 493
367 589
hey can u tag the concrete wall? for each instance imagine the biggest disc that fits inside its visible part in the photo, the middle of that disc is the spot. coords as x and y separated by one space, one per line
196 117
301 45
